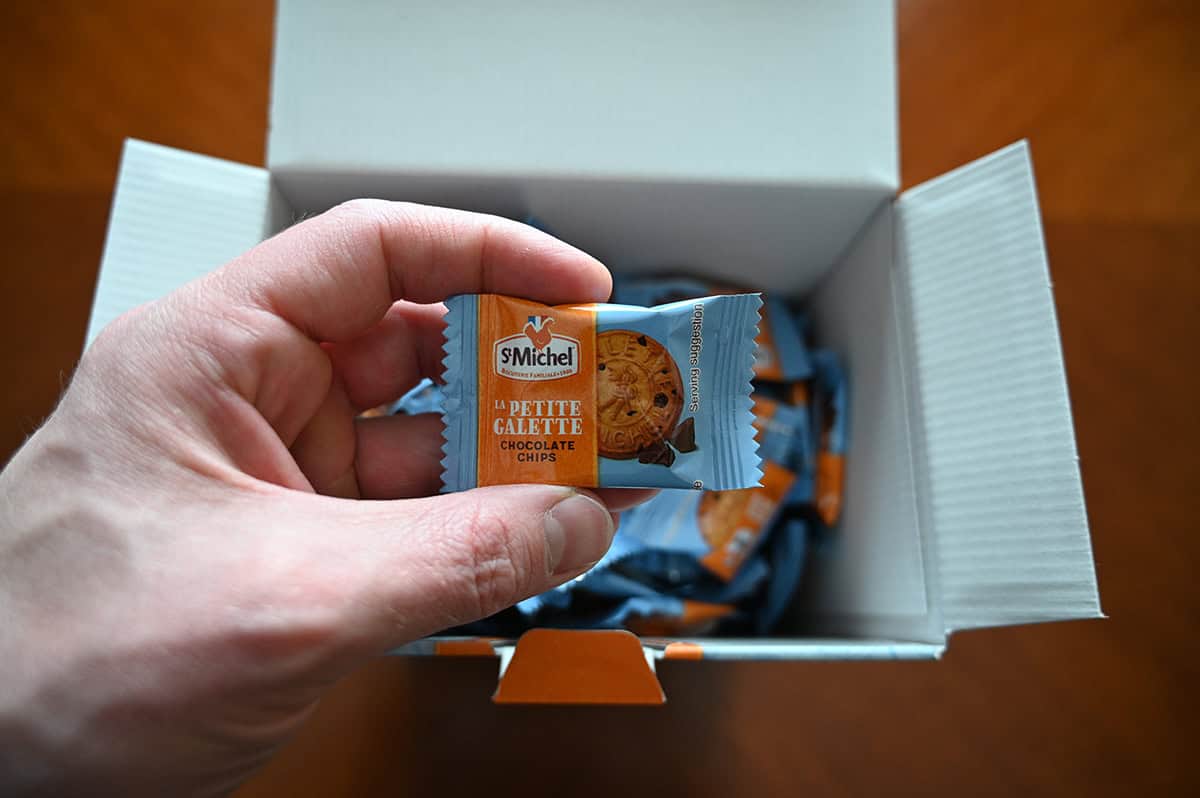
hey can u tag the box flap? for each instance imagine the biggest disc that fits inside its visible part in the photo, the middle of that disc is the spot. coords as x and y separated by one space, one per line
877 579
1004 500
175 216
673 89
572 666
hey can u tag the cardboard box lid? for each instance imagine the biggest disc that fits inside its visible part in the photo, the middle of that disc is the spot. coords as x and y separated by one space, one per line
1001 490
775 92
175 216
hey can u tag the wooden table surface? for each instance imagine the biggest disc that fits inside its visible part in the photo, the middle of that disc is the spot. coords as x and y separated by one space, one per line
1109 95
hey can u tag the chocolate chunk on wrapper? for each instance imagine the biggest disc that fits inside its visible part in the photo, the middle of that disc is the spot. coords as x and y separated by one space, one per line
684 438
657 454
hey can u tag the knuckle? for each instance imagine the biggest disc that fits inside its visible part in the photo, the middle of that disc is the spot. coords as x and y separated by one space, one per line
360 206
345 223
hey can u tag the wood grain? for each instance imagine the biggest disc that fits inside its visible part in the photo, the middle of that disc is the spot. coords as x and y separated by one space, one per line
1109 95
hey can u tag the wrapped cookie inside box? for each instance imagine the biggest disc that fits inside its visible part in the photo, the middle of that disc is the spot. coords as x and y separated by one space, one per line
602 402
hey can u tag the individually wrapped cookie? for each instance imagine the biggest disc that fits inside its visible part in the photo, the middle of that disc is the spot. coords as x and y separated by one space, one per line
599 395
694 547
780 354
677 536
796 397
692 618
688 602
425 397
798 394
719 529
829 416
784 555
664 593
781 430
641 588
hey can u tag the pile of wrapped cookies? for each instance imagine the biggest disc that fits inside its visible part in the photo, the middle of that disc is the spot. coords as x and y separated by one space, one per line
719 551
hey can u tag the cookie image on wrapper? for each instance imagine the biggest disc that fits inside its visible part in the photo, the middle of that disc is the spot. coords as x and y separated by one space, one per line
639 394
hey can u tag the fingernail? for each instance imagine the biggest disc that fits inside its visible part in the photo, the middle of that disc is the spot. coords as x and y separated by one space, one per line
578 531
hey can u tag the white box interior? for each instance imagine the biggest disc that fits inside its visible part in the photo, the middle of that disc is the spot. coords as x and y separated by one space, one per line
665 134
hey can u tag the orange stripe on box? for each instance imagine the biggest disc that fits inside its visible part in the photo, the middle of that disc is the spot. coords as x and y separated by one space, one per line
687 651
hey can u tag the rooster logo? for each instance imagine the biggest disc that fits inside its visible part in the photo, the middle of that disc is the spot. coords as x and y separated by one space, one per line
537 329
535 352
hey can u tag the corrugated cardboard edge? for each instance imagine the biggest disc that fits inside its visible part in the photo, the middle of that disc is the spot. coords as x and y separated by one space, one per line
175 216
1005 497
760 649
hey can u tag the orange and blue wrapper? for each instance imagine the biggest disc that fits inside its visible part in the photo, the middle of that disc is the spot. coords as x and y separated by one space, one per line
780 354
600 395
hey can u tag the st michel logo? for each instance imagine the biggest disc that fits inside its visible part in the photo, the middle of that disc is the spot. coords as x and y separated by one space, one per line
536 353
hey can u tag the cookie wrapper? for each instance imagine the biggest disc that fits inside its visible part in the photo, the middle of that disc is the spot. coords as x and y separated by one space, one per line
719 529
655 591
783 432
600 395
425 397
830 423
678 541
780 355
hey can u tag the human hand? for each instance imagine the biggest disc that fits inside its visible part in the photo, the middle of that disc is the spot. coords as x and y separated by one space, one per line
183 569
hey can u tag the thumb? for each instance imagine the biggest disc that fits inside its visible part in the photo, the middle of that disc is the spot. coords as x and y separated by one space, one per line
418 566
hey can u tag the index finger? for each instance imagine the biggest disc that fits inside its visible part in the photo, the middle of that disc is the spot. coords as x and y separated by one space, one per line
336 275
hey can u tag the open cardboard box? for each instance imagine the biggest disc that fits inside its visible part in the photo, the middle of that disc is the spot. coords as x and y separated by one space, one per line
756 148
